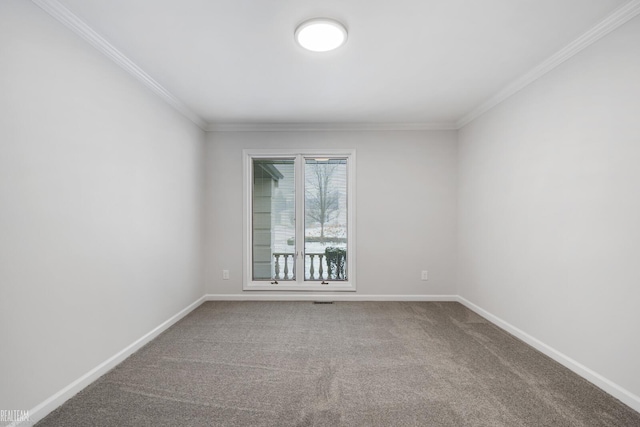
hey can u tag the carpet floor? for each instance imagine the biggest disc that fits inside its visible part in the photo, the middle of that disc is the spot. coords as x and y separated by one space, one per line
341 364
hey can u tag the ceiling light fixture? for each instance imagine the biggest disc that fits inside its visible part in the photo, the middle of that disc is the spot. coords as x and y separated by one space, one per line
321 34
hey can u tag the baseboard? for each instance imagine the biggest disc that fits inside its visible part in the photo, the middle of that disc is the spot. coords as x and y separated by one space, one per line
625 396
251 296
46 407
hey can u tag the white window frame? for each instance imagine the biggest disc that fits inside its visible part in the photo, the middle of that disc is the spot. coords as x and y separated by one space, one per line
300 284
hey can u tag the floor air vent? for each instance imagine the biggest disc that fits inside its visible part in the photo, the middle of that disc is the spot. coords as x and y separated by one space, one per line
323 302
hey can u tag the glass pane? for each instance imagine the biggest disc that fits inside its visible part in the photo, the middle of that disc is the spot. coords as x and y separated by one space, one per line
273 224
325 225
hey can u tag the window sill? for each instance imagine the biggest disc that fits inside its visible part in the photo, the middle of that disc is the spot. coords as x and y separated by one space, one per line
287 286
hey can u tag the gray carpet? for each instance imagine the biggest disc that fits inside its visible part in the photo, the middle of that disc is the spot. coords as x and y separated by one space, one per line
345 364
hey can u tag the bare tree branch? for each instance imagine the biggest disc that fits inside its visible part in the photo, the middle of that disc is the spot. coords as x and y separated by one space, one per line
321 201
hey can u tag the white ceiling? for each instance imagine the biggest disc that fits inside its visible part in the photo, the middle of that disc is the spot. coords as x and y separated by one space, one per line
428 62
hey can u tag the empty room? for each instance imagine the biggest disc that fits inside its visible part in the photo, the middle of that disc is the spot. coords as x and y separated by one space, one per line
304 213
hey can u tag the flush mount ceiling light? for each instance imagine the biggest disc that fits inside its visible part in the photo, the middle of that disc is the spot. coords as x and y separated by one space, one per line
321 34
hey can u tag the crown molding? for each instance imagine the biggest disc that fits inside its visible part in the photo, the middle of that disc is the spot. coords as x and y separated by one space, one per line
324 127
75 24
618 17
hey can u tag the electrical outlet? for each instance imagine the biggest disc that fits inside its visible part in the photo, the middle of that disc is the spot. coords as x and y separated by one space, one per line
225 274
425 275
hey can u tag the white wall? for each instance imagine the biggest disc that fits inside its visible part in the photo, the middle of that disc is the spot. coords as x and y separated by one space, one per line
405 205
100 197
549 209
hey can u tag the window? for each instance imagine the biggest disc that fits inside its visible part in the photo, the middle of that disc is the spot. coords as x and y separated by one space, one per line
299 210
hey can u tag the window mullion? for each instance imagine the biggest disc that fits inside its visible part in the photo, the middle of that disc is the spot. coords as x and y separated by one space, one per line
299 195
